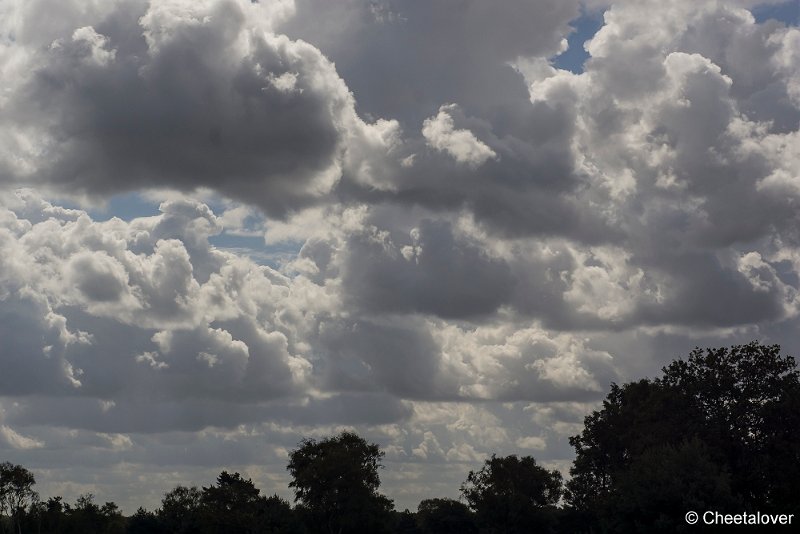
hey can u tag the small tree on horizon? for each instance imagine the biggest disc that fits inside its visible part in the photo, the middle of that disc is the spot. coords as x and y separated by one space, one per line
445 516
513 495
180 510
232 505
16 492
336 482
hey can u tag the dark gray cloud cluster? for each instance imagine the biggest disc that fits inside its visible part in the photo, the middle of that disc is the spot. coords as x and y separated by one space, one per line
182 96
405 59
429 272
485 241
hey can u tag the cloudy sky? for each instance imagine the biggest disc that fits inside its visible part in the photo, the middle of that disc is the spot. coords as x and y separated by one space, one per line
448 225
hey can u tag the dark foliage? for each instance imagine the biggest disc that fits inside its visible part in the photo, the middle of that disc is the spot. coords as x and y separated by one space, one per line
336 482
513 495
405 523
16 492
445 516
85 517
180 511
233 505
144 522
748 397
719 430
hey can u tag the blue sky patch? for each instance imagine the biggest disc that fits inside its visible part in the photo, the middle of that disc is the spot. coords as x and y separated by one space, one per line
585 27
786 12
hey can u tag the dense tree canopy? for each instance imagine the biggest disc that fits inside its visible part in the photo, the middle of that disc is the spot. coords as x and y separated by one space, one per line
336 481
233 505
718 428
144 522
513 495
180 510
445 516
748 397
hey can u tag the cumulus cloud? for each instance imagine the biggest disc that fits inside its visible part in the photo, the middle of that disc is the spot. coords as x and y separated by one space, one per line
406 59
479 242
432 270
18 441
441 134
177 94
210 330
138 281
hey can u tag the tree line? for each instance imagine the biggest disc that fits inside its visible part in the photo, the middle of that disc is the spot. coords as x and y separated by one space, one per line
718 430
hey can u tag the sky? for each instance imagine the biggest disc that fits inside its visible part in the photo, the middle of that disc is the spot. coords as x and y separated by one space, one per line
447 225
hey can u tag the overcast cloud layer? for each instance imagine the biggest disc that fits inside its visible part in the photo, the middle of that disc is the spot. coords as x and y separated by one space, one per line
485 242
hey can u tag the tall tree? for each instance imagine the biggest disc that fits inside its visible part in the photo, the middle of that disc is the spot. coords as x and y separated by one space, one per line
727 418
634 417
16 492
513 495
748 396
336 482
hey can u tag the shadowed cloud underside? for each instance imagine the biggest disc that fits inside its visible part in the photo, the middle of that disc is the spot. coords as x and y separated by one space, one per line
226 225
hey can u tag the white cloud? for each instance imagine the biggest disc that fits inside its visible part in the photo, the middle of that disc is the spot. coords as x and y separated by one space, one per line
101 55
531 442
462 145
469 281
15 440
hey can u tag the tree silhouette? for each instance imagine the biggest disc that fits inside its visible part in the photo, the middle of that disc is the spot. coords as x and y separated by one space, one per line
86 517
144 522
48 517
336 481
180 510
513 495
635 417
721 427
16 491
231 506
748 396
406 523
277 517
445 516
663 483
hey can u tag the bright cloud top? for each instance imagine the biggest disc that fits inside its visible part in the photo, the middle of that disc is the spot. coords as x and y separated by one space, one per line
483 241
441 134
